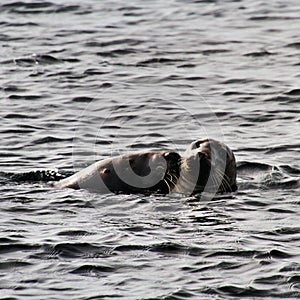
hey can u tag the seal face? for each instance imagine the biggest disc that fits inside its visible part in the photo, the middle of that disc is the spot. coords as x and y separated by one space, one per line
207 165
149 172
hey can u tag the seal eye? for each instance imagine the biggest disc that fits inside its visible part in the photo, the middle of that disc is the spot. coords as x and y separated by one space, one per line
198 144
105 171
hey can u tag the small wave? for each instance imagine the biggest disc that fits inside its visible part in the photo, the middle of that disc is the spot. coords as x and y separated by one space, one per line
294 45
82 99
270 18
274 253
246 291
158 60
246 167
13 264
290 170
281 148
36 7
181 294
38 59
72 250
74 233
24 97
36 176
259 53
17 116
50 139
17 246
293 92
93 270
117 52
18 24
284 99
131 42
167 248
261 175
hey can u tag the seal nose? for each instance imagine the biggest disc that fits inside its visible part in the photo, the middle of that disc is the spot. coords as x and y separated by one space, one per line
172 158
202 155
171 155
105 171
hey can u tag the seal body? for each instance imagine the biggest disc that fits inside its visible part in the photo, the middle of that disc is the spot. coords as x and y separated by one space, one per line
149 172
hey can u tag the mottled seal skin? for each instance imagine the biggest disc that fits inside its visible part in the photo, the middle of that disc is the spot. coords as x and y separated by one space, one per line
207 165
149 172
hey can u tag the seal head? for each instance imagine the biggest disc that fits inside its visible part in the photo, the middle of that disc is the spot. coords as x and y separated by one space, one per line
207 165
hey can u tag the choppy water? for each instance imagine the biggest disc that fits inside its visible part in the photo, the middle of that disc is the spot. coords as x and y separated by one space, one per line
83 80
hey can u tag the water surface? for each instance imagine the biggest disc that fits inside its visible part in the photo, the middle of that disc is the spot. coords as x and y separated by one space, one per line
81 81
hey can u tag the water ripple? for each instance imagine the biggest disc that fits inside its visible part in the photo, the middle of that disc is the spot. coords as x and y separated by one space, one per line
80 82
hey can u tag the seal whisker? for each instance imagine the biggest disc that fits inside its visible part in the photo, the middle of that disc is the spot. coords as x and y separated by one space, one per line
225 182
216 180
220 184
172 178
168 186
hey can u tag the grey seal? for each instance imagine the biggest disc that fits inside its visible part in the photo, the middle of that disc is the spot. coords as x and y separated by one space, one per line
207 165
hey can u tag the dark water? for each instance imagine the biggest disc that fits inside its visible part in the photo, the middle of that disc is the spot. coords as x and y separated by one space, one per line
84 80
